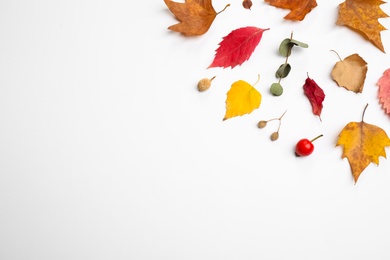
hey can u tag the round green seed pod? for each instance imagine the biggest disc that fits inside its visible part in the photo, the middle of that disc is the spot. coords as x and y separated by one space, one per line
276 89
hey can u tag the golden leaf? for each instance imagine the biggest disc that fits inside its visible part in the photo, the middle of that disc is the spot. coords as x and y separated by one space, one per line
350 73
362 16
195 16
363 143
242 98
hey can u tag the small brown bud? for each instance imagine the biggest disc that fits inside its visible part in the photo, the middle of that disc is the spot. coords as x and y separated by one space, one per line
247 4
261 124
204 84
274 136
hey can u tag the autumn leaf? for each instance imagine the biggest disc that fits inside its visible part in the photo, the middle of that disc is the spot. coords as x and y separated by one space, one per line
350 73
237 47
242 98
195 16
384 91
299 9
362 16
315 94
362 143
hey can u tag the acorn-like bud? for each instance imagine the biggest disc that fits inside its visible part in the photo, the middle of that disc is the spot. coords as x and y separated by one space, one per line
262 124
204 84
274 136
247 4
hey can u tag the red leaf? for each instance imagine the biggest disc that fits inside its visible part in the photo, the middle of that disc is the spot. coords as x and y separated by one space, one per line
384 91
237 47
315 95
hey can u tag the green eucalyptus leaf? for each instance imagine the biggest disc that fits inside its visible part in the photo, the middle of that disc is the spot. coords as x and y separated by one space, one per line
300 44
283 70
285 47
276 89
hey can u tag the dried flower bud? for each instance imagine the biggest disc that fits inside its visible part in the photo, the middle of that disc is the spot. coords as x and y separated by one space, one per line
261 124
204 84
247 4
274 136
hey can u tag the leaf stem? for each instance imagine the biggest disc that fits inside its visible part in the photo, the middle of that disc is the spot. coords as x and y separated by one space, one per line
280 122
289 52
364 111
337 54
224 9
282 115
279 118
258 79
290 46
312 140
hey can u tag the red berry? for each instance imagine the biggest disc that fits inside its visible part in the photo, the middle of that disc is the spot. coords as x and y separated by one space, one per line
305 147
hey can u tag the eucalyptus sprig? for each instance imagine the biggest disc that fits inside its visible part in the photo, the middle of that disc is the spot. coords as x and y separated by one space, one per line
285 48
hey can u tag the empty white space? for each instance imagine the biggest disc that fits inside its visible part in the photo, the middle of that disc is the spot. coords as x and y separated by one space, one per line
108 151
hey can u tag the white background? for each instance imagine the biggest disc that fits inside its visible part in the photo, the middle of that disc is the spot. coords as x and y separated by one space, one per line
108 151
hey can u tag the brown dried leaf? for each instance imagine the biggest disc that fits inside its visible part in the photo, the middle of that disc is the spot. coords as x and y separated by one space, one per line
299 9
350 73
362 16
195 16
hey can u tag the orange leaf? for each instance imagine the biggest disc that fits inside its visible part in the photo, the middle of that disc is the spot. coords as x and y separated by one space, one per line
299 9
242 98
362 16
363 143
384 91
195 16
350 73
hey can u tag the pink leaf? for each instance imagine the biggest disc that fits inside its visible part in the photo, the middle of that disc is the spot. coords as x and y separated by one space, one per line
237 47
315 94
384 91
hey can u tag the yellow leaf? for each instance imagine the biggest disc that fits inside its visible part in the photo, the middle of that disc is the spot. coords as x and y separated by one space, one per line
363 143
242 98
